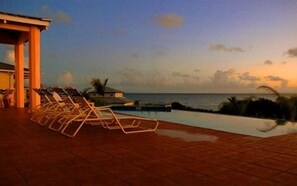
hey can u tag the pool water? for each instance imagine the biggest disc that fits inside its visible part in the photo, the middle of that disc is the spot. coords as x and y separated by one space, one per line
234 124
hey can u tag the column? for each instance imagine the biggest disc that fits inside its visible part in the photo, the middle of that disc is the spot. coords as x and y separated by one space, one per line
19 75
34 65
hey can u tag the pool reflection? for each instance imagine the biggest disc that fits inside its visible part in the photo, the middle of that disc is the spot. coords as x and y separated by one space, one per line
235 124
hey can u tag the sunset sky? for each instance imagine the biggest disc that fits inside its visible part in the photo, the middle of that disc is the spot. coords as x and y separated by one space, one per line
195 46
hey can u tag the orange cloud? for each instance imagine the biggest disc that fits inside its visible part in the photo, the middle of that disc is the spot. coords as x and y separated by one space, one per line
283 82
222 47
169 20
292 52
268 62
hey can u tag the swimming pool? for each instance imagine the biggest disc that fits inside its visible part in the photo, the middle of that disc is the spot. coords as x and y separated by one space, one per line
234 124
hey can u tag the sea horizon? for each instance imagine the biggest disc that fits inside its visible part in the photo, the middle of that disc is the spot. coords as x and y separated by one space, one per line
210 101
260 93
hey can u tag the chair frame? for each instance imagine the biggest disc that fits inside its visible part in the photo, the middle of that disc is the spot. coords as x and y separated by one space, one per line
105 117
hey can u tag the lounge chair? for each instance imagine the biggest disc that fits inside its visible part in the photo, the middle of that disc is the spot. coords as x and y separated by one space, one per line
106 117
46 106
69 109
57 108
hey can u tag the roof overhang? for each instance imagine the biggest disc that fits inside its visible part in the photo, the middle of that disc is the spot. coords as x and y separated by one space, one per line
42 23
14 28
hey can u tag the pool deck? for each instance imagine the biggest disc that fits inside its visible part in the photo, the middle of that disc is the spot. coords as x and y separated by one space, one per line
174 155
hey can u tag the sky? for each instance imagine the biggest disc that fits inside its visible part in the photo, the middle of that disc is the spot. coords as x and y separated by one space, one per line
165 46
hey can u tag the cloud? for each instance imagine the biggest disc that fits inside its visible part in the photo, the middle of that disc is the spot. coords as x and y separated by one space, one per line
65 79
58 17
223 80
177 74
230 81
197 70
223 76
9 57
292 52
247 77
268 62
169 20
148 81
135 80
222 47
283 82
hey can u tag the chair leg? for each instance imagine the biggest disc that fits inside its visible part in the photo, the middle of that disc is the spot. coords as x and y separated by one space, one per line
63 131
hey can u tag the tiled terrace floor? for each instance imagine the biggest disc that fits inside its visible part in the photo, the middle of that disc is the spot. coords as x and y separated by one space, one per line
34 155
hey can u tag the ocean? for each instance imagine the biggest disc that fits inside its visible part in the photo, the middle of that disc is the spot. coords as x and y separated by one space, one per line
203 101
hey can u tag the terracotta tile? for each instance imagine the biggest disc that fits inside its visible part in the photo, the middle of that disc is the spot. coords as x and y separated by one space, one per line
227 163
277 149
34 155
292 171
248 157
259 171
285 178
267 183
161 168
88 174
55 182
117 183
187 177
137 159
9 175
237 178
25 165
61 158
40 176
207 169
7 168
180 160
11 179
152 180
108 163
276 164
89 154
113 150
288 158
126 171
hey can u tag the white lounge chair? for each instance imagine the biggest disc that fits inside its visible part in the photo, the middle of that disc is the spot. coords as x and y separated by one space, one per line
104 116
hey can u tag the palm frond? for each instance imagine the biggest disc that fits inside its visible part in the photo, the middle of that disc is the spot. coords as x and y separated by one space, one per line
269 89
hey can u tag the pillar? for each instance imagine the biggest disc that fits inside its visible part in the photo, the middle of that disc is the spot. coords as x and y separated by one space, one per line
19 75
34 65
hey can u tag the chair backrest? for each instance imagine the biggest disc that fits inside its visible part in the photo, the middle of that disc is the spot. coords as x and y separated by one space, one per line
44 95
53 96
65 97
78 98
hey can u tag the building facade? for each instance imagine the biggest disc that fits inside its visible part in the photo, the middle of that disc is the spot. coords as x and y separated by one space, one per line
111 97
7 82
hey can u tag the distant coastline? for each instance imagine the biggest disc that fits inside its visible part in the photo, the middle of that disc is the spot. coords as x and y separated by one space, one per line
201 101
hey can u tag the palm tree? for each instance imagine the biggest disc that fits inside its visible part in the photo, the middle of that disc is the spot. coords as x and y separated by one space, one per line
85 92
99 86
229 107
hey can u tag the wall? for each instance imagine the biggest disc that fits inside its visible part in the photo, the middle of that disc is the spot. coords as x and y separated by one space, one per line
6 80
